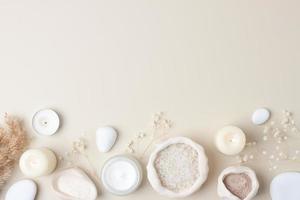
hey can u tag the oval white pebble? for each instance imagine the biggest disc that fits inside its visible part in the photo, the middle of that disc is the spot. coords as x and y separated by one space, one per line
260 116
106 138
22 190
285 186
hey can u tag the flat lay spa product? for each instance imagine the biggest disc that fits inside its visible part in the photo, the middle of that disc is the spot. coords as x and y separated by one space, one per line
177 167
237 183
46 122
121 175
37 162
74 184
22 190
106 138
230 140
13 141
260 116
285 186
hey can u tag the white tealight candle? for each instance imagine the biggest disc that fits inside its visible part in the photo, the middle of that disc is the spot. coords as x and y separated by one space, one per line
45 122
37 162
121 175
230 140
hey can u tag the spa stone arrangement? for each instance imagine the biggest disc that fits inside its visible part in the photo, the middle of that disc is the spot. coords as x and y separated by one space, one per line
177 167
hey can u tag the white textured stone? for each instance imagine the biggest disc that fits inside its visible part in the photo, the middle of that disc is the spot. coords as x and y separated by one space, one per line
22 190
285 186
260 116
106 138
74 184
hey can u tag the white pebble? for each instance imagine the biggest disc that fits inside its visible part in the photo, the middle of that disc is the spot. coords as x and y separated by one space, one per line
260 116
285 186
22 190
106 138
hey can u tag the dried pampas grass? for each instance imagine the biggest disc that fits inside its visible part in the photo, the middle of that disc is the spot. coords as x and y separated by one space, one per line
12 143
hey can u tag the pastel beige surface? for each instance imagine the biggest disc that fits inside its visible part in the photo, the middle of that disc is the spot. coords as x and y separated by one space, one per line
206 64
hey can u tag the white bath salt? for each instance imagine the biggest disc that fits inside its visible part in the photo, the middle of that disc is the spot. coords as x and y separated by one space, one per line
177 167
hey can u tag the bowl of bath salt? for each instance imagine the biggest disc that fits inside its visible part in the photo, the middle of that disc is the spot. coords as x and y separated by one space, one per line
177 167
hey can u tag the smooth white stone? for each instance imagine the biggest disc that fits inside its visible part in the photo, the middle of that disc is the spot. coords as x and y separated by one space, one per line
22 190
285 186
260 116
74 184
106 138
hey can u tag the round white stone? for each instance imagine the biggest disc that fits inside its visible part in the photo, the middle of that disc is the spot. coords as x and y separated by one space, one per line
22 190
106 138
260 116
285 186
46 122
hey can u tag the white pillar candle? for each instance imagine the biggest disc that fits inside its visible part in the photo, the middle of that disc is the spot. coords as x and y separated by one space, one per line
230 140
37 162
121 175
45 122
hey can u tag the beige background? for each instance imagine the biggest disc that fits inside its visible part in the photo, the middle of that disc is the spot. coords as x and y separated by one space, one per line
205 63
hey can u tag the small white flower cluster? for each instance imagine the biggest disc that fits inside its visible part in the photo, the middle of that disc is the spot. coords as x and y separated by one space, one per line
159 125
275 138
160 122
79 146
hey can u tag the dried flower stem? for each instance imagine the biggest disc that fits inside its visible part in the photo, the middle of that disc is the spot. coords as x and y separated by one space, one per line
13 141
